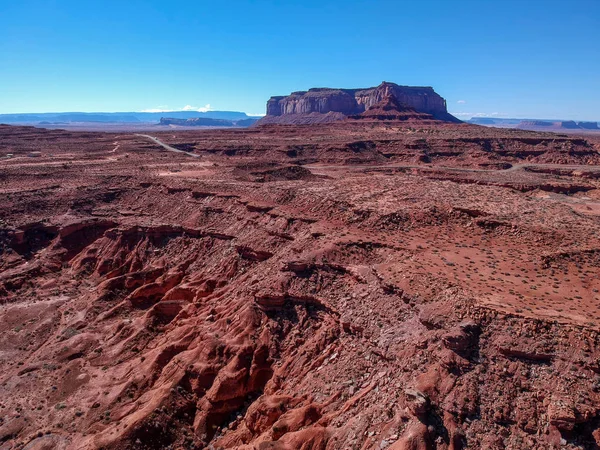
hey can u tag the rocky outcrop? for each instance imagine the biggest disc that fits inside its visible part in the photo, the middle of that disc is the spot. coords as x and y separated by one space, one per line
354 101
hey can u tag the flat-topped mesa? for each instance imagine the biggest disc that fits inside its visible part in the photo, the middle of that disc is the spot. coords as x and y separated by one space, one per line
588 125
349 102
572 125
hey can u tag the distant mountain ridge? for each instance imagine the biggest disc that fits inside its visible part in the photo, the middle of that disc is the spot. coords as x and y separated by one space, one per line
207 122
536 124
119 117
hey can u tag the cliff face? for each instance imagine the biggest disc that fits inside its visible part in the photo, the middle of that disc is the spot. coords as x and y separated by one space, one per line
316 100
355 101
391 109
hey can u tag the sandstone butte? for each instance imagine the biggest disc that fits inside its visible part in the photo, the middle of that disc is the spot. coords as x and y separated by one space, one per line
389 280
326 105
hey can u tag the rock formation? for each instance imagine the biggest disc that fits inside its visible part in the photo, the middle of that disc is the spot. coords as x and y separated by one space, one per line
558 126
588 125
391 109
347 102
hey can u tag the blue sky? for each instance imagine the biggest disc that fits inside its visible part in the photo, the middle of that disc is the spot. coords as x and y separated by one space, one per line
510 58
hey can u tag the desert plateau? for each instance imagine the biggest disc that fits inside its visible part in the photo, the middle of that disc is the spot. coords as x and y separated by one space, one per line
357 271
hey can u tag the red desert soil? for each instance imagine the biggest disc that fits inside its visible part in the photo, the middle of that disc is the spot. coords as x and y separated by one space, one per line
355 285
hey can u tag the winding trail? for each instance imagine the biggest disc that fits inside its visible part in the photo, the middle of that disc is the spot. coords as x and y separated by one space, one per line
167 146
117 145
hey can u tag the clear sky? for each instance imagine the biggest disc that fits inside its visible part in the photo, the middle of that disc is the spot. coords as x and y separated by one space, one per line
509 58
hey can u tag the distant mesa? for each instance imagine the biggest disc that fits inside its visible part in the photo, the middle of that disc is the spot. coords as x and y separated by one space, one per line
558 125
482 121
535 124
239 118
569 124
196 122
588 125
320 105
206 122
